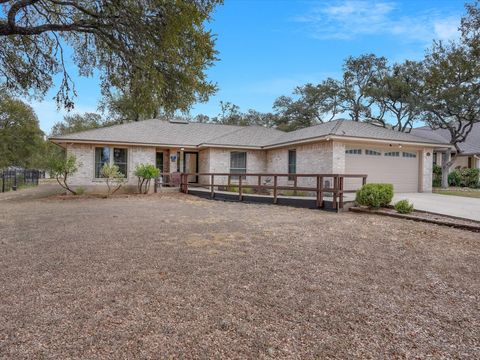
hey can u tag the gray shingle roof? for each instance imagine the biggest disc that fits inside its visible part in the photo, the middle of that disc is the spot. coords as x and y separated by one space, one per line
154 131
162 132
470 147
354 129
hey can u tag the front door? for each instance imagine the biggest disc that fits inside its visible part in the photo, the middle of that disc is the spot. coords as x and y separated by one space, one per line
190 165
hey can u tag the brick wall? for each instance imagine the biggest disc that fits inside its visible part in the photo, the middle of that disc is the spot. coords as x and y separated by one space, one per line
85 155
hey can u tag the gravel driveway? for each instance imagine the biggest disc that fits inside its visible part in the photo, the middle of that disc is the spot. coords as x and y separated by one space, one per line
173 276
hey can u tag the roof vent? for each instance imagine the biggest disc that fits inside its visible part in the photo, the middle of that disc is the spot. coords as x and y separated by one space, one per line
178 120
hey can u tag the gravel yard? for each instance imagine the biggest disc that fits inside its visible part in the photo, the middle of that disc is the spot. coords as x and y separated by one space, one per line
174 276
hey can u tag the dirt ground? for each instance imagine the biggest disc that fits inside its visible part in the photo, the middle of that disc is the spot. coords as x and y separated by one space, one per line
174 276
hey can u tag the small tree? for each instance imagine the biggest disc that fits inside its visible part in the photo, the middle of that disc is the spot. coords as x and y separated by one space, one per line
114 179
61 167
145 173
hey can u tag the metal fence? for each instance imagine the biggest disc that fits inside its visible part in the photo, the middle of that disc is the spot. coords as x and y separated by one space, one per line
16 179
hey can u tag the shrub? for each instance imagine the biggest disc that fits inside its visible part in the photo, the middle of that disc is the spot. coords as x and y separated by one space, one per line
471 177
145 173
464 177
375 195
404 207
114 179
61 166
80 190
437 176
455 178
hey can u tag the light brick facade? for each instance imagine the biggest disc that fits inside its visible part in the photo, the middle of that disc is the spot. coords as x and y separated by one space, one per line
85 155
325 157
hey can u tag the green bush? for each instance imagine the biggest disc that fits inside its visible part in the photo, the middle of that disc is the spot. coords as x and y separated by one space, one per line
80 190
471 177
375 195
464 178
437 176
455 178
404 207
145 173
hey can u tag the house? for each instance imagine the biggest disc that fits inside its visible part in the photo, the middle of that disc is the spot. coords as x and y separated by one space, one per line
339 146
470 148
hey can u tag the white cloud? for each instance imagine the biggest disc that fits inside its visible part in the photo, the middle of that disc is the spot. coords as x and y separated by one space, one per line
354 18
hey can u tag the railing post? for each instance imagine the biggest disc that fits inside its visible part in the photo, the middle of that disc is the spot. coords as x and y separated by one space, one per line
240 188
335 190
318 191
212 184
259 183
341 192
274 189
295 184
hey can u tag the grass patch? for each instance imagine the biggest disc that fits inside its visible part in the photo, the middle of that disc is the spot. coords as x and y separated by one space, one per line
465 193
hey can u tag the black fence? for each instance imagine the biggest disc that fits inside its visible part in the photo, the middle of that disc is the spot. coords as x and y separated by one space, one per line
17 179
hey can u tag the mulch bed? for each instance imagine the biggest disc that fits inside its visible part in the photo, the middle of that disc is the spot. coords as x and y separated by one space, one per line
424 216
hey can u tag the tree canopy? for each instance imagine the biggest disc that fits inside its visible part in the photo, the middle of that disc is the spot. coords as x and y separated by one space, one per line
21 140
153 51
78 122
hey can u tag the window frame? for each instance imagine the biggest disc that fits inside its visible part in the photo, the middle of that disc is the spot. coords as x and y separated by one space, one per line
392 153
232 168
409 155
126 159
355 151
289 164
372 152
111 161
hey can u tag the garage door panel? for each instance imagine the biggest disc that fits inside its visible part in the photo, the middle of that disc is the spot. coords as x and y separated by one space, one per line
400 171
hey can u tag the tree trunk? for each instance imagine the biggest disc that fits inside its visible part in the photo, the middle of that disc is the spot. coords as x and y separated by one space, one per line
446 164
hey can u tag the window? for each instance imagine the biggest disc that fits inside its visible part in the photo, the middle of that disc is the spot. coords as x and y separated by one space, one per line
120 159
354 151
393 154
102 157
292 163
373 152
435 158
409 155
238 163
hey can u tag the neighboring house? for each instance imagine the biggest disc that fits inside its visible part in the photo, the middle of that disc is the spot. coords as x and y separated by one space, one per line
470 149
340 146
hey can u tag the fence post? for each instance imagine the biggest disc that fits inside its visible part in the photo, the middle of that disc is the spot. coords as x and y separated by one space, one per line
3 181
14 188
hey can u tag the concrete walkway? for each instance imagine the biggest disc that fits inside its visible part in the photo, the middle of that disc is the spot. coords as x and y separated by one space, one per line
464 207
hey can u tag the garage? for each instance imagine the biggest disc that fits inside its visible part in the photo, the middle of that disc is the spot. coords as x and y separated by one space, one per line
395 166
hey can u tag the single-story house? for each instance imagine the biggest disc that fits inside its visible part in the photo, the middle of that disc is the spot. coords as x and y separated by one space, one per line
470 148
340 146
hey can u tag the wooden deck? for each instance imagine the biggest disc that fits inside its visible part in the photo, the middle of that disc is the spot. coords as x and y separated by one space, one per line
328 193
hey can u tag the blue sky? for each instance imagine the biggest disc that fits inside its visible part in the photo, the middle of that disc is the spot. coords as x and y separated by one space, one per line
269 47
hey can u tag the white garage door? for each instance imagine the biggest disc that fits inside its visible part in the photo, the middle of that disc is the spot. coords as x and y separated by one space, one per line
396 167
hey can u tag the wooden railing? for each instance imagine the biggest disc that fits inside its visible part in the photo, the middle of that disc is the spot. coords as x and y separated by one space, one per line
336 188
